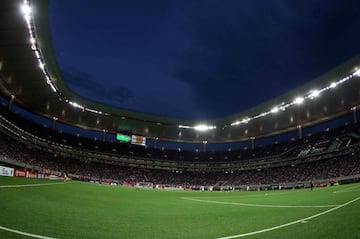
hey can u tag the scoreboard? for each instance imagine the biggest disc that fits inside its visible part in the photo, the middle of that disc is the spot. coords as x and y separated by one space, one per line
133 139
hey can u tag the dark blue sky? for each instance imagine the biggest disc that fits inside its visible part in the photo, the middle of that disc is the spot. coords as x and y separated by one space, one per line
199 59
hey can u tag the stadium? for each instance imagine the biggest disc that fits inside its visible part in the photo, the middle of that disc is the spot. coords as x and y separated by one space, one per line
287 179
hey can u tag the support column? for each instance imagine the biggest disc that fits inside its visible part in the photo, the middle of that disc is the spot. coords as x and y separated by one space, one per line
11 102
204 145
300 131
54 120
252 138
104 135
155 142
354 110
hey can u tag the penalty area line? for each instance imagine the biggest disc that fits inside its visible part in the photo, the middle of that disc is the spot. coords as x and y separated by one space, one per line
258 205
290 223
25 233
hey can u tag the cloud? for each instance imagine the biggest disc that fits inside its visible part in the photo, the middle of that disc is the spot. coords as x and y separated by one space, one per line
121 94
84 84
82 80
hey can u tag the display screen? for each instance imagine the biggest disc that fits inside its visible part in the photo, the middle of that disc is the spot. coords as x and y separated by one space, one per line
138 140
123 138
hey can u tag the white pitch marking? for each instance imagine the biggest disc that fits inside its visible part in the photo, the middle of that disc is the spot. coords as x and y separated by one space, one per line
258 205
348 189
244 196
290 223
25 233
28 185
21 232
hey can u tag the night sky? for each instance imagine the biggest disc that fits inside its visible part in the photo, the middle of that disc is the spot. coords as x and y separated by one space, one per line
199 59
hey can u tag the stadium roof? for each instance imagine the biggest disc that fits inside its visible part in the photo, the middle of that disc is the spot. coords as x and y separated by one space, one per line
29 72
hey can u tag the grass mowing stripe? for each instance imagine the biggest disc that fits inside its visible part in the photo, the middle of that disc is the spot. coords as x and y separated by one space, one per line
25 233
290 223
257 205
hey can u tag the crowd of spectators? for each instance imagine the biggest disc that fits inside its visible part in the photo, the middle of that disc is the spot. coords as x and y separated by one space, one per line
290 148
84 169
345 165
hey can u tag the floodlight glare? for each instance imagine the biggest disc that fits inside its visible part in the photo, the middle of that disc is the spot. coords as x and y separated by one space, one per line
299 100
235 123
76 105
37 54
245 121
275 110
357 73
27 18
25 8
333 85
203 127
314 94
53 87
184 127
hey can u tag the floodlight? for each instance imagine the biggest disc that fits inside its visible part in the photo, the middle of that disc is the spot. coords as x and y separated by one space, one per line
41 65
333 85
235 123
53 87
76 105
246 120
357 73
299 100
275 110
27 18
184 127
203 127
314 94
25 8
37 53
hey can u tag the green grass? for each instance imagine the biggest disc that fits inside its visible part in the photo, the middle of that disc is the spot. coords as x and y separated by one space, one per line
84 210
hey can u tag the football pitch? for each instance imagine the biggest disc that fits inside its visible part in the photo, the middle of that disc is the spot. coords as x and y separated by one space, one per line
31 208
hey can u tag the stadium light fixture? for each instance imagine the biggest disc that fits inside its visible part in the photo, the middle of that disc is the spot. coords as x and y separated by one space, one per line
184 126
245 120
298 100
76 105
235 123
357 73
275 110
37 54
41 65
27 18
52 87
314 94
283 107
200 127
26 9
203 127
333 85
